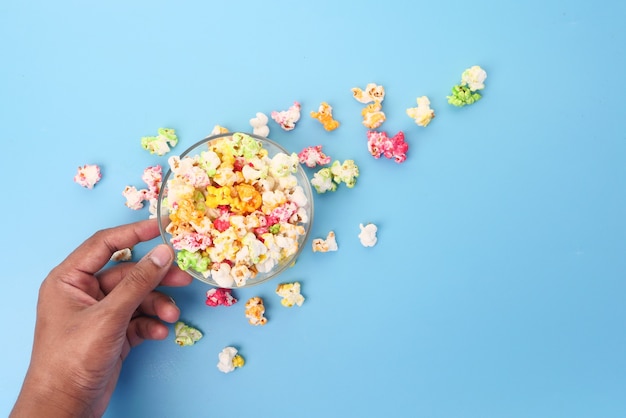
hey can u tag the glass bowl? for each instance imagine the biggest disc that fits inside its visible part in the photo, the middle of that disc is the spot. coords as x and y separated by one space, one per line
237 209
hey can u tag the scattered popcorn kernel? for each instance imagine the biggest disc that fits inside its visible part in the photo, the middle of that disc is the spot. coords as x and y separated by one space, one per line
371 93
218 129
160 144
373 116
185 334
220 296
88 175
324 115
287 118
462 96
290 294
135 198
229 360
346 172
323 182
378 143
422 114
466 93
325 245
474 78
259 125
255 311
368 235
312 156
124 254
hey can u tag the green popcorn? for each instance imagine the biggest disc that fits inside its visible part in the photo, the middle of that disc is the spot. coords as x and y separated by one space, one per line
346 172
185 334
462 96
187 260
160 144
323 181
246 146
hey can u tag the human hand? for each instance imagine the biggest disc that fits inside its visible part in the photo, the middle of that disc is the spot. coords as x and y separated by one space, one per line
88 319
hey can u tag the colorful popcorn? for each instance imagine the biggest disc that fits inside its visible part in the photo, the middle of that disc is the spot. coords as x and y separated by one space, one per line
255 310
88 175
378 143
466 93
323 182
135 198
185 334
373 116
235 211
290 294
328 178
324 115
229 360
287 118
313 156
218 129
372 93
220 296
161 144
346 172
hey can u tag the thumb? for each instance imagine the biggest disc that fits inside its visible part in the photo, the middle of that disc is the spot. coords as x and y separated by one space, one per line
142 279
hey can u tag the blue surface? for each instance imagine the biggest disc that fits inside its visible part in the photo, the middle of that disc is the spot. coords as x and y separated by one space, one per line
497 288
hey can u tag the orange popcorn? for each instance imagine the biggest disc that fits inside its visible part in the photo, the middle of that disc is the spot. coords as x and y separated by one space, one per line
255 311
324 114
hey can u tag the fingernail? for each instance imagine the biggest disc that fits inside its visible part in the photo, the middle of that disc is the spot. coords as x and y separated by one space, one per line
161 255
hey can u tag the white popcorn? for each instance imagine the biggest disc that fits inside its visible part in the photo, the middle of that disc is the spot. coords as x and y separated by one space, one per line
325 245
282 164
422 114
220 272
226 357
368 235
290 294
259 125
124 254
474 78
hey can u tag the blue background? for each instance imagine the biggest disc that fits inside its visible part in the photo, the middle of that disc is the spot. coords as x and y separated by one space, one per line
497 287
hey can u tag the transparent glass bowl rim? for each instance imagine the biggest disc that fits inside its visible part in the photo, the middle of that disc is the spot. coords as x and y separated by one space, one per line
279 268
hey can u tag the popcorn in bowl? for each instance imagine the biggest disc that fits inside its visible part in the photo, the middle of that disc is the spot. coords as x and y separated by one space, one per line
237 209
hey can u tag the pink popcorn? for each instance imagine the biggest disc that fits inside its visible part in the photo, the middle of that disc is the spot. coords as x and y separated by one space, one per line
222 222
135 198
220 296
88 175
287 118
378 143
312 156
152 176
282 213
192 242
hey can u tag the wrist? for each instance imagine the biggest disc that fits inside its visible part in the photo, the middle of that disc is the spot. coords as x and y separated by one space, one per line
40 396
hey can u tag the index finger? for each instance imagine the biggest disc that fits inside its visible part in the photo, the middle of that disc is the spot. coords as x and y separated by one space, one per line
97 250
